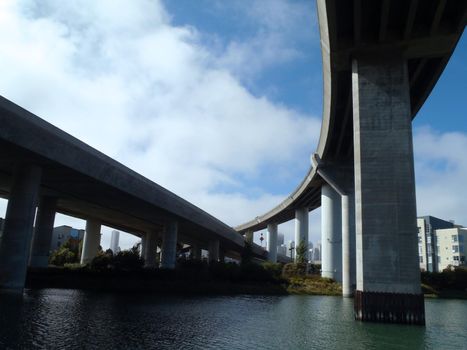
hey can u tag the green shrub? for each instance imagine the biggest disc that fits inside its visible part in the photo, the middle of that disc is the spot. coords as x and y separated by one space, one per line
67 253
73 266
300 252
314 269
101 262
294 269
274 269
127 260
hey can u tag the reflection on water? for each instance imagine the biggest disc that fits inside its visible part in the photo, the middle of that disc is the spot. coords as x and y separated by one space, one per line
72 319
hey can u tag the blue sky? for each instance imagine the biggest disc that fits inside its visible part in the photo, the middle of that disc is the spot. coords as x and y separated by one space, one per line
218 101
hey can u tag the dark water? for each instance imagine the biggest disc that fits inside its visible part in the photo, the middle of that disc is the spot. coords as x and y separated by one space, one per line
72 319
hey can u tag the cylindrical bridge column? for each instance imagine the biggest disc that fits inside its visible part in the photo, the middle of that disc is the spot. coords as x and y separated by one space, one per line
249 236
169 246
301 230
151 249
214 250
43 232
144 245
195 251
331 237
346 251
91 241
272 243
16 240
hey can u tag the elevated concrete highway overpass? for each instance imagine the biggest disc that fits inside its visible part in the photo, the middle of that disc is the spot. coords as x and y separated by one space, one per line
40 165
381 59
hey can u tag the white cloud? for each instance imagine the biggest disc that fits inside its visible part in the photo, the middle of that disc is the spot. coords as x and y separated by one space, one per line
276 24
122 78
440 169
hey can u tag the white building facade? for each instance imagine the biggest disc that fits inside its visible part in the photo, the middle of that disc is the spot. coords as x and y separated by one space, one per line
450 247
440 244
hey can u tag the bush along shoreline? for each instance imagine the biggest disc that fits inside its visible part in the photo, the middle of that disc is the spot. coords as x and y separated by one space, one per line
124 272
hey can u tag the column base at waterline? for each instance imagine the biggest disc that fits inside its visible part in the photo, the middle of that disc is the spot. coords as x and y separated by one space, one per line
389 307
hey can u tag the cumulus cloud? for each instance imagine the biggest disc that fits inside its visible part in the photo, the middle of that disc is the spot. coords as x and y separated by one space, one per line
121 77
440 169
270 45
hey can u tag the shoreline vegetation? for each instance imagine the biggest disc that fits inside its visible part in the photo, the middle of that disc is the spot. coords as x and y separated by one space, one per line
200 278
124 272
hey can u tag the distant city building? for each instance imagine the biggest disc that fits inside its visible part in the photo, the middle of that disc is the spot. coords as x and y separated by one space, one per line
315 257
310 251
291 249
114 239
62 233
280 239
282 249
440 243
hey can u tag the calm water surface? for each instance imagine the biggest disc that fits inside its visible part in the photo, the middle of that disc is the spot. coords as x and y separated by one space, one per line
72 319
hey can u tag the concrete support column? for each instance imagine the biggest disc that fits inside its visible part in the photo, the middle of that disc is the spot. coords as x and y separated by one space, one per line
143 245
214 250
272 243
169 246
331 234
301 230
346 251
195 251
91 241
249 236
19 219
150 252
43 232
352 239
221 255
388 274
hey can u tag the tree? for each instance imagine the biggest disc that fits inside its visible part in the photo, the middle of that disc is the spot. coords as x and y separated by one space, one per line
300 252
67 253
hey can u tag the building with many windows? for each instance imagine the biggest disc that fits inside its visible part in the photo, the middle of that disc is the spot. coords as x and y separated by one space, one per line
440 244
62 233
450 247
426 240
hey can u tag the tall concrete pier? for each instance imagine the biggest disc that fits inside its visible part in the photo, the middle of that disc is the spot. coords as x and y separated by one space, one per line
214 251
195 251
43 232
169 246
91 241
388 275
301 229
272 243
16 241
331 234
150 250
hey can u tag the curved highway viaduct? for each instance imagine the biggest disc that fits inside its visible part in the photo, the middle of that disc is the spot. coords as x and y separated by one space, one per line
45 168
381 60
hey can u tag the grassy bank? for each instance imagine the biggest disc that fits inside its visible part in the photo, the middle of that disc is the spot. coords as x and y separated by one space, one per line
313 285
